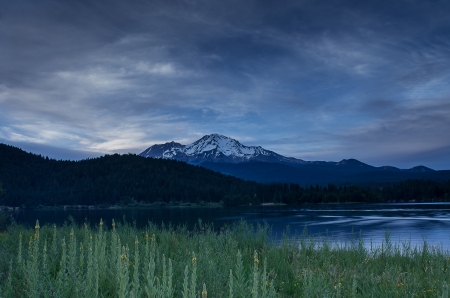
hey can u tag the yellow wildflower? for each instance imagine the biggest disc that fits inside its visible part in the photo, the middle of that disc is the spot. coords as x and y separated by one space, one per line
204 292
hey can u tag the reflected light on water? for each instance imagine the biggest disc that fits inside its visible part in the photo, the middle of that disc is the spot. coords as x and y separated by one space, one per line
412 222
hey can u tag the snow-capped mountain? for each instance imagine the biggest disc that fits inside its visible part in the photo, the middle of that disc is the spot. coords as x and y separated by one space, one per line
216 148
228 156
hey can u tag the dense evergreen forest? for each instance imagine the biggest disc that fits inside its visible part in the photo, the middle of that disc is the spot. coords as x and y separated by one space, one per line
31 180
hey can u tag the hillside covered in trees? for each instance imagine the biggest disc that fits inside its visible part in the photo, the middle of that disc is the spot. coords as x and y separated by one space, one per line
30 180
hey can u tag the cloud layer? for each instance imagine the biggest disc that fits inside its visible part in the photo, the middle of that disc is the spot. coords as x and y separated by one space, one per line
315 80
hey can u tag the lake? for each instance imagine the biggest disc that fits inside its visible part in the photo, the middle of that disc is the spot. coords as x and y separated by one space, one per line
403 221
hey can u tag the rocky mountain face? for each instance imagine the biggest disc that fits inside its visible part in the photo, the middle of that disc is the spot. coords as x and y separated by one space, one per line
228 156
216 148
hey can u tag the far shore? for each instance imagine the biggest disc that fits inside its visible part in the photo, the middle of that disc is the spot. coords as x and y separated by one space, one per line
129 206
177 204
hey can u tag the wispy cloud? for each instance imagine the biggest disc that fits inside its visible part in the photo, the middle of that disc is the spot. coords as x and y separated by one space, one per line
314 80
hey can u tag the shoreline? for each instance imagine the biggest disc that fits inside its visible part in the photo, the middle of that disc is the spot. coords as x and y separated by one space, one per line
176 204
103 207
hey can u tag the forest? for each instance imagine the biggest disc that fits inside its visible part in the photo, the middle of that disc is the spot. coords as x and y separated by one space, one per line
29 181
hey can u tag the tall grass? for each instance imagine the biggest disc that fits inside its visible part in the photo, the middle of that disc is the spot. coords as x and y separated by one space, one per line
118 260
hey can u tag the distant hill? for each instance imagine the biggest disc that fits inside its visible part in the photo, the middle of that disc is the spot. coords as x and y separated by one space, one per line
342 174
228 156
31 180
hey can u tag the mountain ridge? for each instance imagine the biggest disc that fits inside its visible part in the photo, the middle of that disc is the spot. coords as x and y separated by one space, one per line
30 180
215 148
228 156
223 149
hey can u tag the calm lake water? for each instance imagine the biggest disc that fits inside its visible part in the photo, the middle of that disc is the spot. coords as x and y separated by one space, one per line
406 222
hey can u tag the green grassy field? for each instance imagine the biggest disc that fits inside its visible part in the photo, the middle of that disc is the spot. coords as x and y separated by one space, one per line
240 261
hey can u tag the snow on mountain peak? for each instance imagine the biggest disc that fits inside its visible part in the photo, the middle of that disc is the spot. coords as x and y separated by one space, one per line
221 144
215 147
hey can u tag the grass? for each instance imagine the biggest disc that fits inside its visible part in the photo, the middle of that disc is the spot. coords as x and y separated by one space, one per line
239 261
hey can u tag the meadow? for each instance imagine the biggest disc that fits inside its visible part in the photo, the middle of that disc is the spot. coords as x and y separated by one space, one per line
119 260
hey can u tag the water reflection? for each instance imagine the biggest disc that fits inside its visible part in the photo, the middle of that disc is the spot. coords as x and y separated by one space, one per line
408 222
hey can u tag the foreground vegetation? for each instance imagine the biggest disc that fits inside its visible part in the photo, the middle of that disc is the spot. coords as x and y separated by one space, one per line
239 261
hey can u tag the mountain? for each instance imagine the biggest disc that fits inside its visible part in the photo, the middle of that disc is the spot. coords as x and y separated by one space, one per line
31 180
228 156
216 148
323 174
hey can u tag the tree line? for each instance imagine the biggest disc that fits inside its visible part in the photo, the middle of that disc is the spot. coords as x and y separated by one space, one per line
31 180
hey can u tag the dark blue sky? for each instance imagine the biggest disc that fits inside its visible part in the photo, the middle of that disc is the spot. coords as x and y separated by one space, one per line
316 80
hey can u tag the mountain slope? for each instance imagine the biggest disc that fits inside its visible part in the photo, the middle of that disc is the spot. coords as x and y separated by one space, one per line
343 174
30 180
228 156
216 148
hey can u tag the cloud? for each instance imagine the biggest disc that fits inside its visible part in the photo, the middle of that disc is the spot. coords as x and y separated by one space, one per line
405 135
164 69
53 152
310 79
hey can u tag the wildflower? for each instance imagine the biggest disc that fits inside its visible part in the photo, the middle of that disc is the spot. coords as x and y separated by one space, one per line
255 257
101 222
37 227
204 292
123 256
194 260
